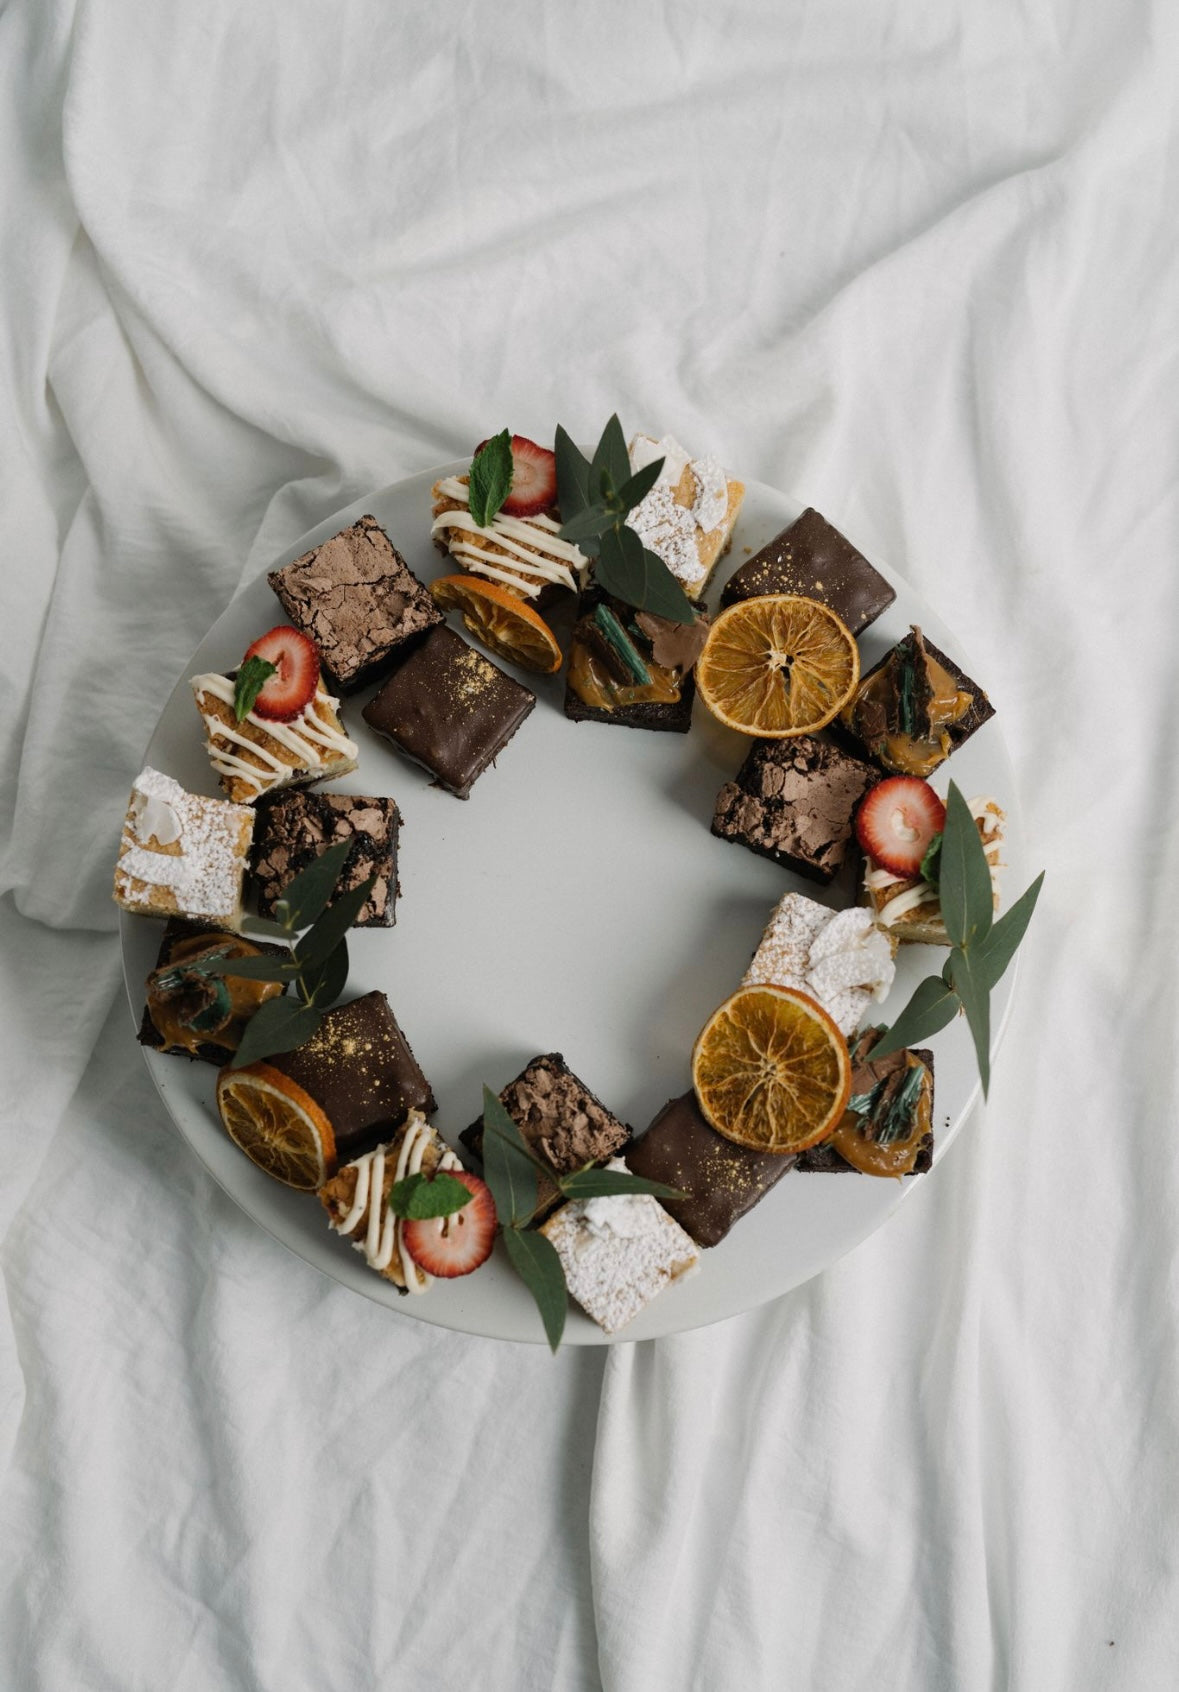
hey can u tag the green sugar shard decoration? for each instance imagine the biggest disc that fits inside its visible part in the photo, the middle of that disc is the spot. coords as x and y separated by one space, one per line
620 643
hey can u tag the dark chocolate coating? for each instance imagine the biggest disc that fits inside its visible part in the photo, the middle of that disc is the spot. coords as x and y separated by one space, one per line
179 929
358 1068
449 708
563 1122
980 712
812 558
722 1180
358 600
823 1159
295 828
793 801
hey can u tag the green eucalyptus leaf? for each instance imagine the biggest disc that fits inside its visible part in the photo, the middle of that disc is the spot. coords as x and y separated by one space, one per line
636 488
588 524
535 1260
990 956
491 478
630 572
611 463
277 1026
931 1007
508 1164
609 1183
976 1002
251 969
418 1197
307 893
572 475
964 876
322 983
321 941
251 678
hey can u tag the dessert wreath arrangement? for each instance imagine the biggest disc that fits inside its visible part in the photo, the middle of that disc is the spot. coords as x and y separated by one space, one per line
789 1074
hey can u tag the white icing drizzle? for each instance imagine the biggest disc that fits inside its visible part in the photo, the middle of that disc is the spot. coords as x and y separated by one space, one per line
313 743
983 810
533 544
383 1230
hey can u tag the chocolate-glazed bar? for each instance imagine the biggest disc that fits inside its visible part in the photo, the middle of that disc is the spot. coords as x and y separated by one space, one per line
358 600
793 801
913 708
720 1180
359 1069
889 1132
631 668
449 709
295 829
563 1122
812 558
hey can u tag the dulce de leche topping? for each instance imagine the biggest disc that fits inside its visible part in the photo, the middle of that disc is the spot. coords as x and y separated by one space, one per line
904 709
190 1009
870 1141
594 685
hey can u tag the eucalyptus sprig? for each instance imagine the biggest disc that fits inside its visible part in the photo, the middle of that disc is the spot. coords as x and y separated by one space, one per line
317 962
980 949
595 497
513 1170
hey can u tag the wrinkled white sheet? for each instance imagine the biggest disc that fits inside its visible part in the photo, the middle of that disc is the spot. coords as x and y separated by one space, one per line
915 264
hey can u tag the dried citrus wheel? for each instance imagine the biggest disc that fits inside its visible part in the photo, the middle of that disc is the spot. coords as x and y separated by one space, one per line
278 1125
771 1070
501 621
777 666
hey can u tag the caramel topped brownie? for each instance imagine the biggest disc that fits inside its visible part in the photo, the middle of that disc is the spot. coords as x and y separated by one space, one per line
914 708
631 668
887 1128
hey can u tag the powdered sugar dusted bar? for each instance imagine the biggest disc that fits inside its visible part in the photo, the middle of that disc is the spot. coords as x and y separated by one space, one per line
839 957
181 854
619 1253
687 518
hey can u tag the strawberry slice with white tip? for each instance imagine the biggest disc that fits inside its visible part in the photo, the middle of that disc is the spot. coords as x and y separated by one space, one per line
896 822
534 479
296 664
454 1245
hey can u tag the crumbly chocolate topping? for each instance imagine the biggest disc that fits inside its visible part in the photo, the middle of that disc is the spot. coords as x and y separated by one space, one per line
793 800
559 1116
357 599
676 645
295 829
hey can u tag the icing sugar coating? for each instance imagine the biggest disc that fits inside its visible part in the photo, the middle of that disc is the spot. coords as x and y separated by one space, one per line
839 957
195 867
690 501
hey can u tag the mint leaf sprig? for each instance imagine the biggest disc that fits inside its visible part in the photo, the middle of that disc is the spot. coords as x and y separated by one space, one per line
419 1197
981 948
595 497
490 481
512 1169
252 676
317 962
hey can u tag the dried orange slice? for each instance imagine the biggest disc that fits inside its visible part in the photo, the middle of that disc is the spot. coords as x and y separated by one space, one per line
778 666
771 1070
278 1125
501 621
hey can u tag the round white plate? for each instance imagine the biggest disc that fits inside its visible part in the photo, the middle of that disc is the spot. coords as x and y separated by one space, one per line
577 902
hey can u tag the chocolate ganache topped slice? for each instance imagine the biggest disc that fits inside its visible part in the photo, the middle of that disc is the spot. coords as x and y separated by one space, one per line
812 558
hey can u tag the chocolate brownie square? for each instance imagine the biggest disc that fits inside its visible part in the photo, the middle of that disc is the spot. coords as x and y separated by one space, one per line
565 1124
913 709
298 827
910 1150
359 1069
793 801
449 709
720 1180
191 1028
631 668
812 558
358 600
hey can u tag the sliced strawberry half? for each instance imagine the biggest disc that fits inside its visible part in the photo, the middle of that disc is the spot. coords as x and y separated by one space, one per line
897 820
534 479
454 1245
296 663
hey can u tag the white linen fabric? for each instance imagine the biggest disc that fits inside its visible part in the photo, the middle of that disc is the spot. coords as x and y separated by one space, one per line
913 263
